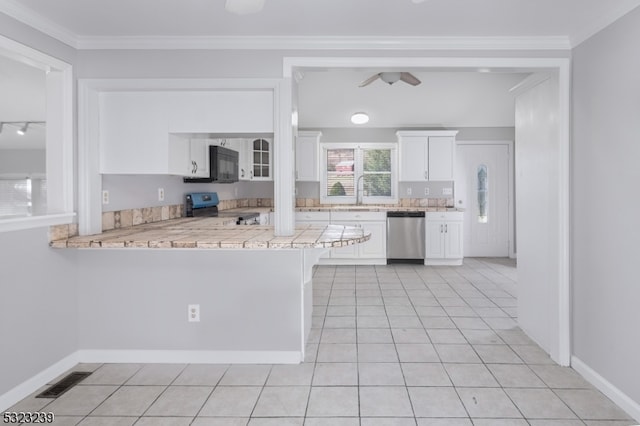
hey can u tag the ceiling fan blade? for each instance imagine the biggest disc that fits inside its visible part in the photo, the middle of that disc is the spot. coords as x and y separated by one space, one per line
369 80
409 78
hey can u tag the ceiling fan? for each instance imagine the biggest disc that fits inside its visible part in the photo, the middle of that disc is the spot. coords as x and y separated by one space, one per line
392 77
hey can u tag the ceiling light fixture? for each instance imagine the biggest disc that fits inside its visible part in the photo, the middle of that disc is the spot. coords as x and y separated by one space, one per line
22 126
22 130
360 118
244 7
390 77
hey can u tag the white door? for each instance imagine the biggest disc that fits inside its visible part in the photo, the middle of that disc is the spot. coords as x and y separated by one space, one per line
482 188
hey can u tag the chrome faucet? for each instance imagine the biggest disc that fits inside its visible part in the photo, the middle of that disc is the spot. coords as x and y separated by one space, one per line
358 196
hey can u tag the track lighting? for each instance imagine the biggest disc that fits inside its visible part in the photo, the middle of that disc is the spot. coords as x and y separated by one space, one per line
22 126
22 130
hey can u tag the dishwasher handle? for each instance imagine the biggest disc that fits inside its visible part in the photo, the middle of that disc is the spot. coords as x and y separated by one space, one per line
406 214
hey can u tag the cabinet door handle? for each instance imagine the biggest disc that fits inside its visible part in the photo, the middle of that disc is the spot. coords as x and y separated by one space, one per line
425 174
446 228
441 228
195 164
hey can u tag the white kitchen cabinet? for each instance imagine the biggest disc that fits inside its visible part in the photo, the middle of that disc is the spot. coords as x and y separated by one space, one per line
199 157
260 159
135 127
427 155
134 136
188 157
444 238
322 218
308 156
373 251
220 111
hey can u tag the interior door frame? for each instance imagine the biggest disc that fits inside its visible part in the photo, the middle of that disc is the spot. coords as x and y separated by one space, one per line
293 68
513 254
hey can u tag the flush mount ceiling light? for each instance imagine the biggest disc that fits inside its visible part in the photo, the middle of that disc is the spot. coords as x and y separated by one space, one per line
244 7
418 1
360 118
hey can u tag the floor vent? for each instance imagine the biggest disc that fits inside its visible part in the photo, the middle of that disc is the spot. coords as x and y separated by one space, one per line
63 385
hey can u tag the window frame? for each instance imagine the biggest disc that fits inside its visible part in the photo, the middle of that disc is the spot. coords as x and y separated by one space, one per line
59 134
359 149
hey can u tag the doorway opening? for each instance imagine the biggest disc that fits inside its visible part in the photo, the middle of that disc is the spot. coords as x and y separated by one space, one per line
556 301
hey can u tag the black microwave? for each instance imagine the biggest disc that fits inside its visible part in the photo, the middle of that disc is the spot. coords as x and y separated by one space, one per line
223 166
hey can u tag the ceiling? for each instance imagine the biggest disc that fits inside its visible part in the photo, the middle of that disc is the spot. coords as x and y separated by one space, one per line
77 19
444 99
23 89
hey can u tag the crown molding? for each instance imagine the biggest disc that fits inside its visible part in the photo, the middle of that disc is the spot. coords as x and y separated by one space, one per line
25 15
326 43
603 21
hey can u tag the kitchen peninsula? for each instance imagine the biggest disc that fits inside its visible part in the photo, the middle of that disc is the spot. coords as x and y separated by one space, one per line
252 290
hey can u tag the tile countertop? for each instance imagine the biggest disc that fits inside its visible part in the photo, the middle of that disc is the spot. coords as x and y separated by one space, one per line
214 232
374 208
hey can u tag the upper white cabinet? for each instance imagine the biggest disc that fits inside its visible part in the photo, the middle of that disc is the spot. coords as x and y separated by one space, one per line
260 159
135 128
134 133
307 156
427 155
221 111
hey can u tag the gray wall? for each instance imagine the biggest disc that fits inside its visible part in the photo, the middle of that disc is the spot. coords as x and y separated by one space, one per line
27 161
135 191
606 129
382 135
38 306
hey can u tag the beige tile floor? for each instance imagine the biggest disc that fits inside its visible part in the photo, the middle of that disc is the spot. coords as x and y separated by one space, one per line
390 345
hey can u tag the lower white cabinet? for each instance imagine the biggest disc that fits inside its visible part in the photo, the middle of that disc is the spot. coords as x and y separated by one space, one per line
372 252
443 238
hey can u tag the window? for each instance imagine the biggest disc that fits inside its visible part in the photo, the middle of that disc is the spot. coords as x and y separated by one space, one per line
483 188
36 170
358 173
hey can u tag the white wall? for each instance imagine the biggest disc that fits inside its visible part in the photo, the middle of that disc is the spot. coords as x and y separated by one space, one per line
606 207
537 173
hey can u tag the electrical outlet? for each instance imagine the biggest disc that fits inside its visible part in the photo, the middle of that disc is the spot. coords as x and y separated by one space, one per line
447 191
426 191
160 194
105 197
194 313
409 190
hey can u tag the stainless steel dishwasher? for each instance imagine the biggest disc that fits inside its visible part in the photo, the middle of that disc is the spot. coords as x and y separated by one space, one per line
405 237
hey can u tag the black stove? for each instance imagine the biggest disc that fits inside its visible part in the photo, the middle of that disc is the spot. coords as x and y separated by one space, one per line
205 204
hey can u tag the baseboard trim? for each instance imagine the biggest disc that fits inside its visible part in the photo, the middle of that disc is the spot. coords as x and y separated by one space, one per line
189 357
31 385
631 407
